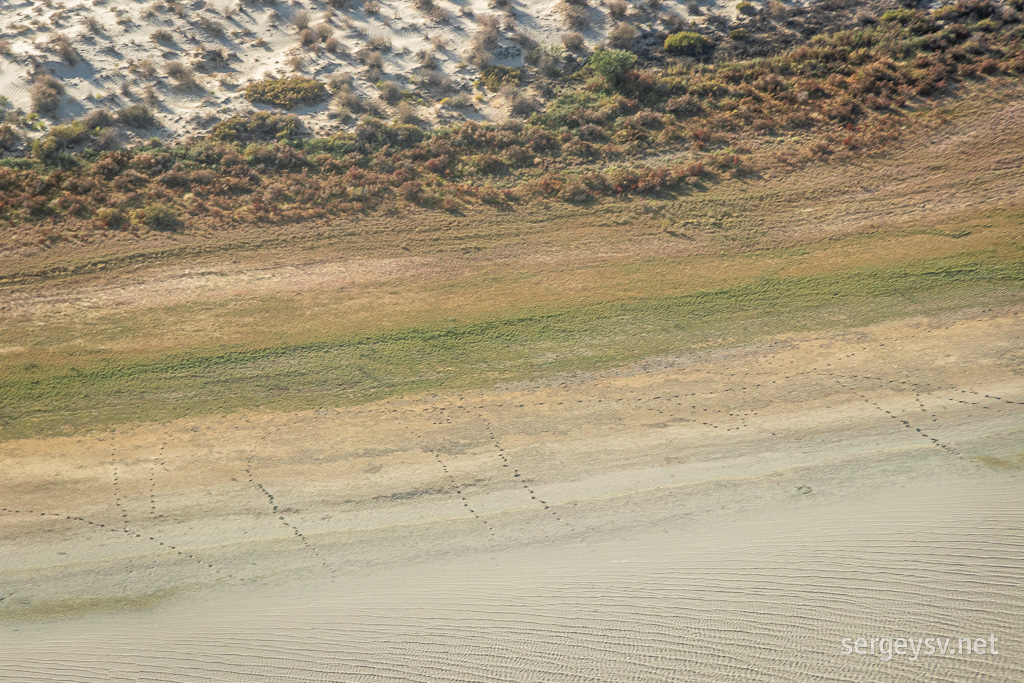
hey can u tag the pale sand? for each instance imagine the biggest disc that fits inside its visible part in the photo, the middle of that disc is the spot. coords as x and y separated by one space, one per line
727 515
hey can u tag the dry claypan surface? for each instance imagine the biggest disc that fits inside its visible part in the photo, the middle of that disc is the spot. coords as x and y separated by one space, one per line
719 515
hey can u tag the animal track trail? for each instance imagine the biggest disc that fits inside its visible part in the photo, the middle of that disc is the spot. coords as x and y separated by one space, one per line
932 388
277 512
131 533
451 478
739 411
156 461
924 409
679 416
131 528
115 468
906 423
517 476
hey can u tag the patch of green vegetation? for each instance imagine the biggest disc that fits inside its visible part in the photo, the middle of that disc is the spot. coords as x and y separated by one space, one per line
261 126
287 93
524 343
899 15
158 217
497 77
612 65
19 163
686 42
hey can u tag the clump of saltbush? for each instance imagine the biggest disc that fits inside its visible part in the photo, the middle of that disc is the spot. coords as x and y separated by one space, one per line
686 42
612 65
746 7
136 116
287 93
158 217
46 94
497 77
261 126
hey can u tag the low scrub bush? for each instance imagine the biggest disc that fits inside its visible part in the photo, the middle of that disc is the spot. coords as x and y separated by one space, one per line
45 95
574 42
136 116
686 42
622 35
65 49
612 65
261 126
161 217
497 77
112 218
287 93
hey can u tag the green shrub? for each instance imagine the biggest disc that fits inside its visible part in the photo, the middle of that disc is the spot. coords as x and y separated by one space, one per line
986 25
738 34
612 65
158 217
136 116
20 163
746 8
686 42
496 77
287 93
55 147
261 126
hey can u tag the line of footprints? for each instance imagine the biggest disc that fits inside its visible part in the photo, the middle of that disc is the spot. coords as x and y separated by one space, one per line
680 407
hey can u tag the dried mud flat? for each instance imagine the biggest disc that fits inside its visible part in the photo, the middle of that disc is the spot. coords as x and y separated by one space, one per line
727 515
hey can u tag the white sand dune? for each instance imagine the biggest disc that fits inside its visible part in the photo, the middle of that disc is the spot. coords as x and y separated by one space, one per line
121 56
731 515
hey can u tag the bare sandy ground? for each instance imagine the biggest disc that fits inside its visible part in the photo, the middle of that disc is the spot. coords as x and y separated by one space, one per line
728 515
